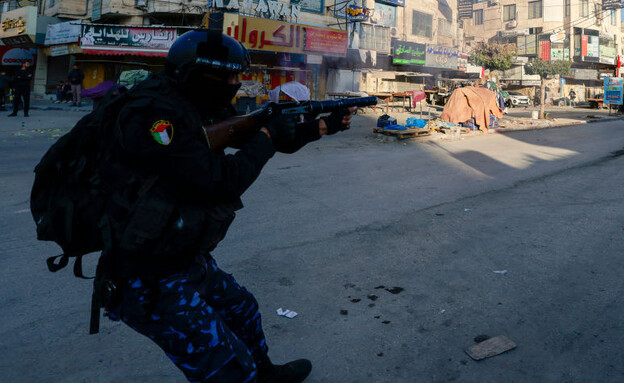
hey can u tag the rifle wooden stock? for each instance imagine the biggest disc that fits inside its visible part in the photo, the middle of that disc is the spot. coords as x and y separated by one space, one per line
233 132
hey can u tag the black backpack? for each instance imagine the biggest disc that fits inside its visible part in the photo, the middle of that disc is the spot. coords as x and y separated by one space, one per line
67 201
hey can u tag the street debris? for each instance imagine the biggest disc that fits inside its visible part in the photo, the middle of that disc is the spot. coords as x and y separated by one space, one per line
286 313
502 272
481 338
467 209
490 347
344 312
395 290
442 311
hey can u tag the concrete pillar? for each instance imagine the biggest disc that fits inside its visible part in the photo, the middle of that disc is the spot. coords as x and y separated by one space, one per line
41 74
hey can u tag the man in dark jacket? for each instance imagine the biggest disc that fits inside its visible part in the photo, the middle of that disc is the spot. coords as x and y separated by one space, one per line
4 84
178 198
75 79
21 84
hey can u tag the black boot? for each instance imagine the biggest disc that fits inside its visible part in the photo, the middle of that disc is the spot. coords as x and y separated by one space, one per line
293 372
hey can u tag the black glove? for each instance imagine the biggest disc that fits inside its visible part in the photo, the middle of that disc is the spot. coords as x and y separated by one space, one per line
288 135
334 121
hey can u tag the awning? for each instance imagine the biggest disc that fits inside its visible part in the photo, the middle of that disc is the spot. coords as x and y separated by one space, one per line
124 52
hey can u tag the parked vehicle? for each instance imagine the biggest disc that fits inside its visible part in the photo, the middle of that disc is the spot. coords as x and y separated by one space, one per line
517 99
596 102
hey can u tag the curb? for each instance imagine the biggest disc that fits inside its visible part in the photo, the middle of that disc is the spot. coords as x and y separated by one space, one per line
578 122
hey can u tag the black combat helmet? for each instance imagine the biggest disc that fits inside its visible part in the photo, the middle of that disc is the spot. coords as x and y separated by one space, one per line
205 51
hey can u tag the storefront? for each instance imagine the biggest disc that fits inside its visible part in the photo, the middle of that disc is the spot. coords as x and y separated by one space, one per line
23 31
62 43
109 49
283 51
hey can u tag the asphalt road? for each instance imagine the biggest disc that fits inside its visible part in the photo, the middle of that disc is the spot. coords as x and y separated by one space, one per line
436 223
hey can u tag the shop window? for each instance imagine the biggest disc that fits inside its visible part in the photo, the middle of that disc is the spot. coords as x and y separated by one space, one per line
509 12
584 8
478 17
421 24
535 9
566 7
375 38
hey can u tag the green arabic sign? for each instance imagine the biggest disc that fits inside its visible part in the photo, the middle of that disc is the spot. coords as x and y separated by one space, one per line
405 52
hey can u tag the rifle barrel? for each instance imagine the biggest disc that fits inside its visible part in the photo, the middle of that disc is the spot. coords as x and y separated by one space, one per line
328 106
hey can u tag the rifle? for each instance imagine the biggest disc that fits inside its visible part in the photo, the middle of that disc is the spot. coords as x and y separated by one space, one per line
237 130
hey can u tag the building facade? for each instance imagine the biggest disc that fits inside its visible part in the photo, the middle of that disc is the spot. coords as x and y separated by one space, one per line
333 46
585 32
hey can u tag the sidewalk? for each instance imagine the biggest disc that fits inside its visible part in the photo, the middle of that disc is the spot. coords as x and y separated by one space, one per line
40 104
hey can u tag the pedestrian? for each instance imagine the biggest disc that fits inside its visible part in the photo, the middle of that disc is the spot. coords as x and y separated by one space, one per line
21 85
75 79
60 92
572 95
181 198
67 92
4 84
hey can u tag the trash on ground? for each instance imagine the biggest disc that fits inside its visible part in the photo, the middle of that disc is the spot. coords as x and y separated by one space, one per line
491 347
502 272
386 120
413 122
286 313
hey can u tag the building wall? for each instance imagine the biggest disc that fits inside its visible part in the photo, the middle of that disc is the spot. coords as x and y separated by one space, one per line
553 19
444 31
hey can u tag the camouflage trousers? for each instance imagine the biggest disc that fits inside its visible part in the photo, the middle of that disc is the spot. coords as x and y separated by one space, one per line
206 323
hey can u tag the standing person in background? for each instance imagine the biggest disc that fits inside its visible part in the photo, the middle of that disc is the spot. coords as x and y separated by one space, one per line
21 84
572 97
4 84
75 79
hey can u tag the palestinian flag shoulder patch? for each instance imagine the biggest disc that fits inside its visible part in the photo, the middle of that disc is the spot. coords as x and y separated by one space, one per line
162 132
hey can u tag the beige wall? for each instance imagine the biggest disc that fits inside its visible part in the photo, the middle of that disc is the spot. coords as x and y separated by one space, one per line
430 7
552 10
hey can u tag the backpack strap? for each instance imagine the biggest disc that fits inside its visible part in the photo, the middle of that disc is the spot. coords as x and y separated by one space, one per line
63 261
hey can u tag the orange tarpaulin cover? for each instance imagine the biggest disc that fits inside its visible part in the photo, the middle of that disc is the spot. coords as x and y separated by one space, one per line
471 102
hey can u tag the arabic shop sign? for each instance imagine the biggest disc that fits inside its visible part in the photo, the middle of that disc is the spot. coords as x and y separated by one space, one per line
19 23
405 52
357 13
63 33
280 36
101 37
264 8
400 3
613 87
441 57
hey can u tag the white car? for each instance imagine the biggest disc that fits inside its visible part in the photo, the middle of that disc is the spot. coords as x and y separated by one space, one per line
517 99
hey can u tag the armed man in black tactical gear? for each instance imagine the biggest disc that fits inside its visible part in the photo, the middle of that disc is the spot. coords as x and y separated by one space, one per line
174 200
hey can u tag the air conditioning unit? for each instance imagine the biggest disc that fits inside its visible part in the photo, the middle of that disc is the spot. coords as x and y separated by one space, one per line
512 24
140 3
394 31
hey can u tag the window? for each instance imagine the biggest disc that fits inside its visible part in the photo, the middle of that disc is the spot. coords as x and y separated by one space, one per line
566 7
613 19
509 12
584 8
478 17
50 3
421 24
535 9
376 38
